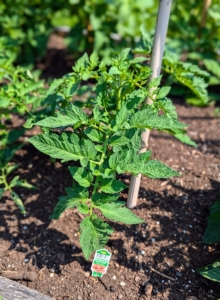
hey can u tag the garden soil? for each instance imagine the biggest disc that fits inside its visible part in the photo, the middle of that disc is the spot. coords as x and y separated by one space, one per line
154 260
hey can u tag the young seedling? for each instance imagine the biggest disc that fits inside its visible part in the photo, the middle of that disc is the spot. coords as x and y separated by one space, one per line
105 142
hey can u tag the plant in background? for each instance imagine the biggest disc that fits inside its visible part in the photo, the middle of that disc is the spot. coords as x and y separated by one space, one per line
211 236
18 94
104 142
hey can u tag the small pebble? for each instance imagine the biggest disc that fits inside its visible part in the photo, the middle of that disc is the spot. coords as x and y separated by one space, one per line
153 240
122 283
51 274
114 277
179 274
87 274
26 260
120 296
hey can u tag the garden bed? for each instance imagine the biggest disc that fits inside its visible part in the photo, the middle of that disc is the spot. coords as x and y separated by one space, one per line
169 243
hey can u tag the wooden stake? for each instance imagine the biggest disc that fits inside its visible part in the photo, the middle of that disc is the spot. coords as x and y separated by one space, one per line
155 64
206 4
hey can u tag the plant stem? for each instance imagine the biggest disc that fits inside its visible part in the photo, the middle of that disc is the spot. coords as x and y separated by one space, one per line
5 181
100 167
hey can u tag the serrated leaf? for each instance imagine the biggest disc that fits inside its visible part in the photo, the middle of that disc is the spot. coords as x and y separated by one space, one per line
155 82
134 99
80 114
81 176
114 71
147 118
117 140
94 60
163 92
65 146
72 199
94 234
156 169
167 107
122 115
115 211
58 121
18 202
83 208
112 186
212 233
99 198
211 271
94 134
182 136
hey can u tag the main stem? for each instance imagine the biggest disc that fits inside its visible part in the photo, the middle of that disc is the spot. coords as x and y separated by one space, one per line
105 146
155 64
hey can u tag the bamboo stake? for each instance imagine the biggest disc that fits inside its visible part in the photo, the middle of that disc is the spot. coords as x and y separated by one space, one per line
155 64
206 4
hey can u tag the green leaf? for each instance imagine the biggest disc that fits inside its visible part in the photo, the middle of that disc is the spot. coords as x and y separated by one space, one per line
83 208
117 140
4 102
122 115
80 114
155 82
212 233
21 183
147 118
163 92
1 192
81 176
115 211
114 71
94 235
182 136
58 121
156 169
73 199
211 271
112 186
167 107
94 134
65 146
99 198
18 202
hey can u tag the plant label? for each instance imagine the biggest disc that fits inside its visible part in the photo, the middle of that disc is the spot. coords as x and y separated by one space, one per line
100 262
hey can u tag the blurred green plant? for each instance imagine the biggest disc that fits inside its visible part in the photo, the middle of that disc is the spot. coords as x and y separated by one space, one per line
211 236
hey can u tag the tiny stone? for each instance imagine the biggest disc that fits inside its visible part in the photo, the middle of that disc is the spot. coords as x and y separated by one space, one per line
114 277
179 274
122 283
153 240
79 297
26 260
51 274
187 265
120 296
142 252
87 274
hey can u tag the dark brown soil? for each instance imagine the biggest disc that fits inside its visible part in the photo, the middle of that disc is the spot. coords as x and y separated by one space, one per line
170 242
46 255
